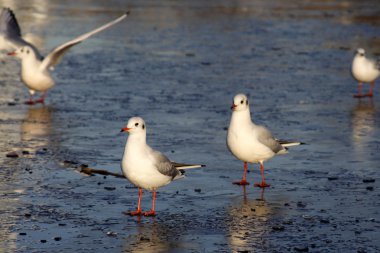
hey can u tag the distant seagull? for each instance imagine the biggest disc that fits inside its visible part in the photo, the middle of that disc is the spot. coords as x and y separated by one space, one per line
35 68
364 70
145 167
252 143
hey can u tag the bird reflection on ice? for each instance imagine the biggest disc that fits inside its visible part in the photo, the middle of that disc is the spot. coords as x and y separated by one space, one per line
363 125
248 223
36 127
155 236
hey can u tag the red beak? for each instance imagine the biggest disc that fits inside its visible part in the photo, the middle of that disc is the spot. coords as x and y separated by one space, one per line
125 129
12 53
233 106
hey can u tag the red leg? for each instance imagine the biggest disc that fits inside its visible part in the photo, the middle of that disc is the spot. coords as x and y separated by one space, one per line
359 95
263 183
370 94
152 212
244 180
30 101
42 98
138 211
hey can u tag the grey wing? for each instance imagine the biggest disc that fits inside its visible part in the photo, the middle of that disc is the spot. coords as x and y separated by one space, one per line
54 57
164 165
11 31
8 24
266 138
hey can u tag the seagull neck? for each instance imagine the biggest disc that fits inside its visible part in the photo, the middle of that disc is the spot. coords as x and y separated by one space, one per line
241 118
29 63
136 141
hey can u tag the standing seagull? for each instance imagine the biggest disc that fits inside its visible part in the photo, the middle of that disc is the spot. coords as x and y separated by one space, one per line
364 70
145 167
250 142
35 68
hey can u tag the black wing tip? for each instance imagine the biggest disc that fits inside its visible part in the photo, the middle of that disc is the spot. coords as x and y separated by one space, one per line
303 143
203 165
9 10
127 12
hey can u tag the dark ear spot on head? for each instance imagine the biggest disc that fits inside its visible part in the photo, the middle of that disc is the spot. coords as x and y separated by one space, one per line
27 51
246 102
143 126
22 50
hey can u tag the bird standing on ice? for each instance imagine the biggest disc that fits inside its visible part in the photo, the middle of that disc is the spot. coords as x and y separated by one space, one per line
145 167
35 68
249 142
364 70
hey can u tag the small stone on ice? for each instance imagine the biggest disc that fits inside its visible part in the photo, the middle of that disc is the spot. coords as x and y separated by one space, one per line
301 249
12 154
110 233
278 228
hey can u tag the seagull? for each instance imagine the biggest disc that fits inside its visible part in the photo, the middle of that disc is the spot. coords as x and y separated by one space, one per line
34 67
252 143
145 167
364 70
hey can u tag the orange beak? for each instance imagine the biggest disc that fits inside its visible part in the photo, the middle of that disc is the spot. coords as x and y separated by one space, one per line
233 106
125 129
12 53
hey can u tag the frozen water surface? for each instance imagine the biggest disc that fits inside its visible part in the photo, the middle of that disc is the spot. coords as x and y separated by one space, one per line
178 64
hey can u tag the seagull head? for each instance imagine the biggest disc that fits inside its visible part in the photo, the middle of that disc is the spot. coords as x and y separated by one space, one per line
23 52
360 52
240 103
134 125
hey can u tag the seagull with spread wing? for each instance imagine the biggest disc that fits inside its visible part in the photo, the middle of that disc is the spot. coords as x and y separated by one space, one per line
35 68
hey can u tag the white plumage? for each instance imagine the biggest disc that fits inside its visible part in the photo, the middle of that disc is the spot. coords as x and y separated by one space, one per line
364 70
145 167
250 142
35 68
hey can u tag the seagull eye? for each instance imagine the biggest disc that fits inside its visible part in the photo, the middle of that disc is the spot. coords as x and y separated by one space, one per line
136 124
246 102
143 126
242 102
22 50
27 51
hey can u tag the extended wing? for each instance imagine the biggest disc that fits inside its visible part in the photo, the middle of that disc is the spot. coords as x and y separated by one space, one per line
54 57
11 33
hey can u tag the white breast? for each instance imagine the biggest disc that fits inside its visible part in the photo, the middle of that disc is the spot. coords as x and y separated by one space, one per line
34 78
244 145
364 70
140 170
